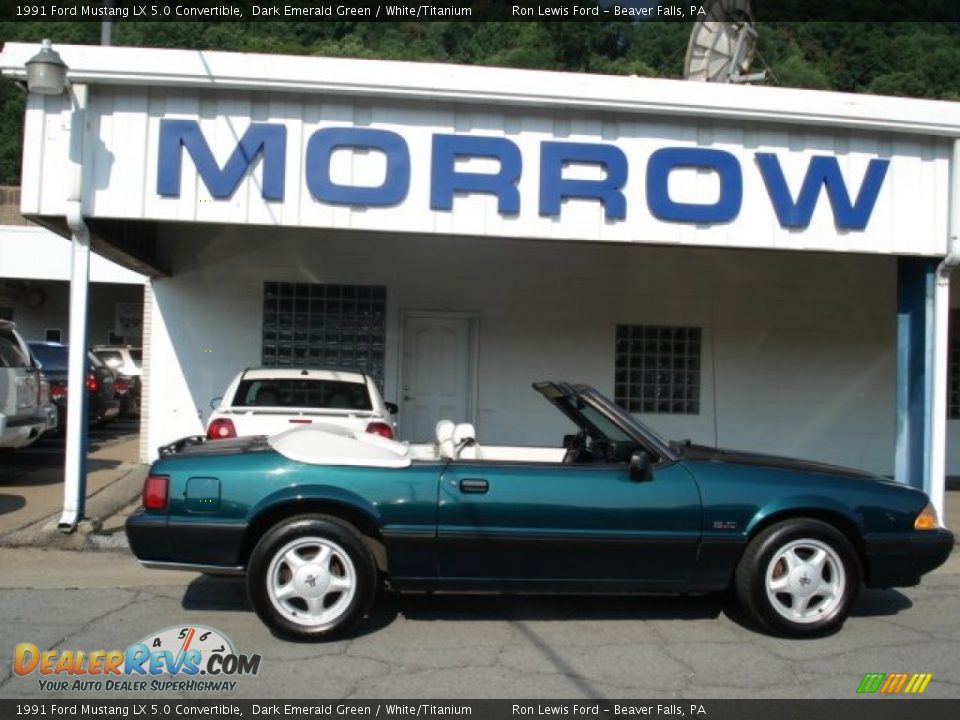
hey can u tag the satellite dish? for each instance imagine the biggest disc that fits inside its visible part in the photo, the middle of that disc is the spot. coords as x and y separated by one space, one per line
722 44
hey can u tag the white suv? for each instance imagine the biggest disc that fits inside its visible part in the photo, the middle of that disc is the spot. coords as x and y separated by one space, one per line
23 416
266 401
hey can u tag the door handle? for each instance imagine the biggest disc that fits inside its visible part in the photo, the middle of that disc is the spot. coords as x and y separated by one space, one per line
476 486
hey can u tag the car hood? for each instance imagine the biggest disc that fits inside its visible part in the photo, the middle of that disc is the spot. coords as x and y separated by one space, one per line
705 453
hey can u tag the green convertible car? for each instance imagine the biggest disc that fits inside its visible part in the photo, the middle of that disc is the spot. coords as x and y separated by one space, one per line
318 518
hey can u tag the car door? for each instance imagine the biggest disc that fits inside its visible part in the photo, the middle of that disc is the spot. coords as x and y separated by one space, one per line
567 526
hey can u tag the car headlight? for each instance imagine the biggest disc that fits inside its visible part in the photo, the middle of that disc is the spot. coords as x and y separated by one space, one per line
927 519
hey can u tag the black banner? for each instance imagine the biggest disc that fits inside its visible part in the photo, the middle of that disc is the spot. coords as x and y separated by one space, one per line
479 10
877 709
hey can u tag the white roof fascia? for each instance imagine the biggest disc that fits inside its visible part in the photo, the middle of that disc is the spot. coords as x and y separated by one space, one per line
29 252
138 67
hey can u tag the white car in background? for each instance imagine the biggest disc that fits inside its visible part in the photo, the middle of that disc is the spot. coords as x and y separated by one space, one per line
24 394
266 401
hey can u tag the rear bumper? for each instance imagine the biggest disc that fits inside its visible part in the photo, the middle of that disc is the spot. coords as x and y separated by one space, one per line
206 546
18 432
901 560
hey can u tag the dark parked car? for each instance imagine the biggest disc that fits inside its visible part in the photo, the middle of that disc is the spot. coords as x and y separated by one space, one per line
318 518
127 365
102 403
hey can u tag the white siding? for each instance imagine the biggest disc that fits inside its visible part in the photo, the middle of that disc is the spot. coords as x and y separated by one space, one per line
909 217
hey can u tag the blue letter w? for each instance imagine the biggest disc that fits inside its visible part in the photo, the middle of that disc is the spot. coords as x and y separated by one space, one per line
267 138
823 170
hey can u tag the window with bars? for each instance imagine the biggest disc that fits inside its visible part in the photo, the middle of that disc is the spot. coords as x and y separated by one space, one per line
953 366
658 369
341 327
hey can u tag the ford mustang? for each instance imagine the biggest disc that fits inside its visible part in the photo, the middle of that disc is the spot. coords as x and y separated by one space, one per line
318 519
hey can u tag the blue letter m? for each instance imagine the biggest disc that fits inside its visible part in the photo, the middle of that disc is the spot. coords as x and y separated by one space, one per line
267 138
823 170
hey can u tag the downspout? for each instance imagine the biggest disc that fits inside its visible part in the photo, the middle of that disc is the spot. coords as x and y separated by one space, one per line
937 468
75 466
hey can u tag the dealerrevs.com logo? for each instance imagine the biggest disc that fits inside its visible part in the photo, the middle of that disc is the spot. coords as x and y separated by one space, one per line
895 683
170 660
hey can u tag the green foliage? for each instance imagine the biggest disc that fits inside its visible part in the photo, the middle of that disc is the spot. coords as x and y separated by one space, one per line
909 59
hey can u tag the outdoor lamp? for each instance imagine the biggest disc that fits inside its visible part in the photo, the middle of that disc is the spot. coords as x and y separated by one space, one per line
46 72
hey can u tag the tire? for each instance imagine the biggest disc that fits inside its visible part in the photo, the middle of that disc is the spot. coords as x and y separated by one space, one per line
799 578
311 577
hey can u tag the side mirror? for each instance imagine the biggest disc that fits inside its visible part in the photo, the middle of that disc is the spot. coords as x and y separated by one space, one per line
215 403
641 466
392 408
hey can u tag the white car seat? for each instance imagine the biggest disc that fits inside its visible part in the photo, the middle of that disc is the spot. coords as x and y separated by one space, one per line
465 442
445 445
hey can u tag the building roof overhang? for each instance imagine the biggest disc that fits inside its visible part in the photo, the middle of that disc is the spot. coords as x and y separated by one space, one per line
488 86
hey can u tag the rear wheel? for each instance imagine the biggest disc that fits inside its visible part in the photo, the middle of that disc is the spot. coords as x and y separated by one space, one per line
799 577
312 577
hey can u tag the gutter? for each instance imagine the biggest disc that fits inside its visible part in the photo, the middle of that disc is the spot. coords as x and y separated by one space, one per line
75 465
488 87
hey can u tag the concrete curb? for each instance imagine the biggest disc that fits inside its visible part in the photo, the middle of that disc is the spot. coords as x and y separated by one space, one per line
106 502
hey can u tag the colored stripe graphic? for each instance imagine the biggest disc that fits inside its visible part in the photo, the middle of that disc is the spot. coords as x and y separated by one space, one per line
895 683
871 682
918 683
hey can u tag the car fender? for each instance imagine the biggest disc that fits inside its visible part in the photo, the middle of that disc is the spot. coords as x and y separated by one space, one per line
797 505
316 493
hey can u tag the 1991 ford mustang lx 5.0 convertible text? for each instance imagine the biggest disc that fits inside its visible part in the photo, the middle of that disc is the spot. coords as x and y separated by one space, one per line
319 518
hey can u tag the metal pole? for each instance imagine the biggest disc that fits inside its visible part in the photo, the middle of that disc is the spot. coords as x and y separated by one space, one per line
75 470
937 471
106 27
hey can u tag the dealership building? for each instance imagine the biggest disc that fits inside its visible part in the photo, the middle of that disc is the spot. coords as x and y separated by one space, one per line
746 266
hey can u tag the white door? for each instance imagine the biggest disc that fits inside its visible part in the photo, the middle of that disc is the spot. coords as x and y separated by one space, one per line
438 375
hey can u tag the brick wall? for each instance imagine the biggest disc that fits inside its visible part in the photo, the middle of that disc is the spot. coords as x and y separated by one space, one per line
10 206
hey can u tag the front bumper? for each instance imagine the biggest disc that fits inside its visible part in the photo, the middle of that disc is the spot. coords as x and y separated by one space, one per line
901 560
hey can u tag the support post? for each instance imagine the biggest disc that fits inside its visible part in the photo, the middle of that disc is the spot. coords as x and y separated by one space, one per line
75 465
915 369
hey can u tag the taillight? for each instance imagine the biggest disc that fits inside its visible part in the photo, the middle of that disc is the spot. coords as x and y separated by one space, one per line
381 428
155 489
121 387
92 382
58 392
220 429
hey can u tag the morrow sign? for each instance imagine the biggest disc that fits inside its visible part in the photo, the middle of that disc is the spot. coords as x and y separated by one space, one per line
268 141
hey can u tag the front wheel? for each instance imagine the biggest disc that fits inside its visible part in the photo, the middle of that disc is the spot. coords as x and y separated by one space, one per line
799 577
311 577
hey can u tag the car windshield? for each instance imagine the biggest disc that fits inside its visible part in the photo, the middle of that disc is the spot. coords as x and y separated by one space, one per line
52 358
302 393
111 358
624 418
11 356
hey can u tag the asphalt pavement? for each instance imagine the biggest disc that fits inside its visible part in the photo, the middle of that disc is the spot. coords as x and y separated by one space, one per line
31 481
481 646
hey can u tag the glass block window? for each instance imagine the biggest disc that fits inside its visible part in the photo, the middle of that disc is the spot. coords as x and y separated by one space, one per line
658 369
953 366
339 327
